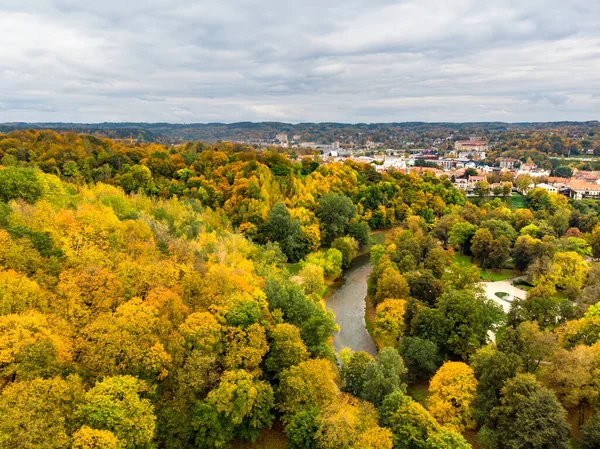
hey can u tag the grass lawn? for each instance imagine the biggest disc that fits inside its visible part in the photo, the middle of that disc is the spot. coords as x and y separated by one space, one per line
294 268
486 273
501 295
516 201
497 275
419 392
377 238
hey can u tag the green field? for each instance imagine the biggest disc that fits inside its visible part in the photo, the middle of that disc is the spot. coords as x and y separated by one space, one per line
516 201
487 274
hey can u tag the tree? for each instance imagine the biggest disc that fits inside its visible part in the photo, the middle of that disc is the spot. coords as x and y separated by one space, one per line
88 438
420 356
460 323
410 423
482 188
281 228
330 261
529 415
306 385
461 277
102 350
590 432
595 242
424 286
481 245
30 347
313 279
530 343
391 285
453 389
301 430
491 368
334 212
389 321
461 234
436 261
20 183
287 348
563 172
238 408
571 375
499 252
18 293
568 270
354 367
413 427
114 404
348 247
39 413
383 376
359 231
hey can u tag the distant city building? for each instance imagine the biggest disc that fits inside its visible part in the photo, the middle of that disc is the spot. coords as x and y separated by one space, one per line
473 144
281 138
507 162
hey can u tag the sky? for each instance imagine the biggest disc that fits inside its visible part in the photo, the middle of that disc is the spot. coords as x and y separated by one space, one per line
350 61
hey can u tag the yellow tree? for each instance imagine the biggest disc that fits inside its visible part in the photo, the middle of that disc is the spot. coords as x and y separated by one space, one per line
40 413
88 438
453 389
18 293
389 321
308 384
125 342
30 346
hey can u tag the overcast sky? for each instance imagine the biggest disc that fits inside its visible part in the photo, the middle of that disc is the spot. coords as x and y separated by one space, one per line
309 60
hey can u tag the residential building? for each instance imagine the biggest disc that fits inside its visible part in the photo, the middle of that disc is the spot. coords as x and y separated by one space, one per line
507 162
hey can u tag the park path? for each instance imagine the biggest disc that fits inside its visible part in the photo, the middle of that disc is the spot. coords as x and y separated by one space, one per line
491 288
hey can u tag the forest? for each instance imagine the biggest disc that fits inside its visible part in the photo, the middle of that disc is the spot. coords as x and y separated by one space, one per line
159 296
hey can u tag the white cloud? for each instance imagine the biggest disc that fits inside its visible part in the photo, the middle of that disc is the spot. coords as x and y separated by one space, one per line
353 60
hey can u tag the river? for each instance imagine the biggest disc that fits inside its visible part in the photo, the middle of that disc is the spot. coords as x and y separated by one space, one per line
348 304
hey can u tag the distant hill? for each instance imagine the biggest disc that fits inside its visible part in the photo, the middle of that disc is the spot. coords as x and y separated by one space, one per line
266 131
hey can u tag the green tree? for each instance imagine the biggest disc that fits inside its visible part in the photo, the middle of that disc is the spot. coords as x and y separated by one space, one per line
334 212
115 404
20 183
348 247
590 432
354 367
420 356
281 228
529 416
460 323
238 408
383 376
492 368
499 252
461 234
301 430
287 348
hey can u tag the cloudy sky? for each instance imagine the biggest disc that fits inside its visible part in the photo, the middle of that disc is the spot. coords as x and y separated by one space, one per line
310 60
